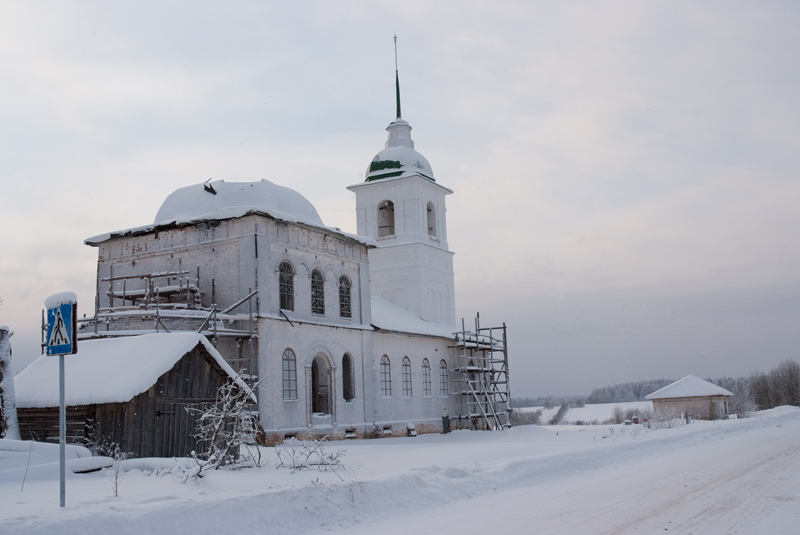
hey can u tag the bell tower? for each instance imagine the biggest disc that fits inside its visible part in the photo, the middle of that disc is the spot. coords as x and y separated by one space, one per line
402 207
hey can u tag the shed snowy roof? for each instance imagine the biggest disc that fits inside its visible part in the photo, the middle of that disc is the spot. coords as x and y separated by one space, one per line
689 386
391 317
221 200
113 370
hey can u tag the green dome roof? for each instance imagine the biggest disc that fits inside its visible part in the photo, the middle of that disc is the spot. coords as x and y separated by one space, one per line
399 158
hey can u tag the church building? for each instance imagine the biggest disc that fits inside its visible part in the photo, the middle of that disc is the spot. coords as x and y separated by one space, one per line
347 335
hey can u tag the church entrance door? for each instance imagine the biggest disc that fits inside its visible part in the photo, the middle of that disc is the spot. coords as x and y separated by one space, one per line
320 385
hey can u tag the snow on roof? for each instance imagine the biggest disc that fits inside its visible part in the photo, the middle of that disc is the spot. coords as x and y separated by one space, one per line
202 201
221 200
689 386
391 317
111 370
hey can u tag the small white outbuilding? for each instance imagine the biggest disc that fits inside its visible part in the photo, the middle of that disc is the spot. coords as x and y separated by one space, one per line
691 396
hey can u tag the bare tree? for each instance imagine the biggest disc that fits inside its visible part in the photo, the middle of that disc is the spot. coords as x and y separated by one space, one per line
226 425
781 386
785 381
741 403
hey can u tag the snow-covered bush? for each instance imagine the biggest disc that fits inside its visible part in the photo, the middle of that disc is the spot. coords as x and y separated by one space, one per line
226 426
113 451
299 454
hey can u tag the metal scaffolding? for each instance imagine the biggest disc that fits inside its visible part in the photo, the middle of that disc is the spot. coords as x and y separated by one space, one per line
481 376
172 301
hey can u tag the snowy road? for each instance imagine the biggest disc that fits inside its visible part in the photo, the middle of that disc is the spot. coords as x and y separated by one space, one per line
706 478
724 485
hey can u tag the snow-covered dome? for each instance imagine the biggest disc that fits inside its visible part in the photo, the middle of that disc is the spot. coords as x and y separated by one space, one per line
399 158
220 199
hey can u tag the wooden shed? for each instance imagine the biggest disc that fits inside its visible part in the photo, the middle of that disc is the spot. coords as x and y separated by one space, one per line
130 391
690 396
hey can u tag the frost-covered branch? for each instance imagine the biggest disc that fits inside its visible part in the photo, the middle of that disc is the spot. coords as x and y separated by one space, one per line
226 425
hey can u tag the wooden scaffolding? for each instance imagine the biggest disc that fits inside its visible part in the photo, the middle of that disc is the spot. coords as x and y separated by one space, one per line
481 376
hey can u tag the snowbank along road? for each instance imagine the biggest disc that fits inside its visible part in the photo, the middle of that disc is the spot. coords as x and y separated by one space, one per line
706 478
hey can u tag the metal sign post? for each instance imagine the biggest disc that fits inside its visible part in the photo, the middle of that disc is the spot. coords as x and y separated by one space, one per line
62 332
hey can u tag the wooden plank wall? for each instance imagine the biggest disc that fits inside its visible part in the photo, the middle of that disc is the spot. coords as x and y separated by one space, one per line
154 423
41 424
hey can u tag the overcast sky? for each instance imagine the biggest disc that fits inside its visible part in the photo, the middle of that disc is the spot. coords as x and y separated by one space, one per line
626 174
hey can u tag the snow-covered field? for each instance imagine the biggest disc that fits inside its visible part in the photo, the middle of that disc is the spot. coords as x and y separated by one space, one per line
734 476
596 413
600 412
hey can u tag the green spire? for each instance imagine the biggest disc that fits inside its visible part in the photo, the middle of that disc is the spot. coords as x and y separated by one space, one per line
396 77
397 84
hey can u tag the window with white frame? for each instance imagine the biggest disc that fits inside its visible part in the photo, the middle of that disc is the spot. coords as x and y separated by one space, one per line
426 378
406 377
386 377
345 309
317 292
289 375
443 378
286 285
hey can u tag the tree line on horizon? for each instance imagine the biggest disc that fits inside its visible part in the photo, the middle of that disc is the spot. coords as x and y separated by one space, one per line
760 391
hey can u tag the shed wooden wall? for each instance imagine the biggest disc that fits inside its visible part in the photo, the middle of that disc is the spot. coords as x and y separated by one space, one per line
41 424
153 424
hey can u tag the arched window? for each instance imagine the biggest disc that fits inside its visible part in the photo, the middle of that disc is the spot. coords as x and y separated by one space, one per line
385 219
317 292
345 310
406 377
289 375
431 219
426 378
386 377
286 285
348 380
443 378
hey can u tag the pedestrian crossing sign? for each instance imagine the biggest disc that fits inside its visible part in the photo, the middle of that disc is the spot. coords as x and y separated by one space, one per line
62 329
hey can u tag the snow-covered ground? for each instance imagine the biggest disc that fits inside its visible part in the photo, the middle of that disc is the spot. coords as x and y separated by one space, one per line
600 412
733 476
596 413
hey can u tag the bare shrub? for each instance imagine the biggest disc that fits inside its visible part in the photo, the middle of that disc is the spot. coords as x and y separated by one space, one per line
226 426
297 454
520 417
117 456
562 411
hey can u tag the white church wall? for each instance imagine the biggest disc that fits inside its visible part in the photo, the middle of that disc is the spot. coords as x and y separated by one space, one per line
398 409
279 415
307 249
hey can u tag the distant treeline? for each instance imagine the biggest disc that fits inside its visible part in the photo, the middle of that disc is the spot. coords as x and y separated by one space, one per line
625 392
548 402
781 386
